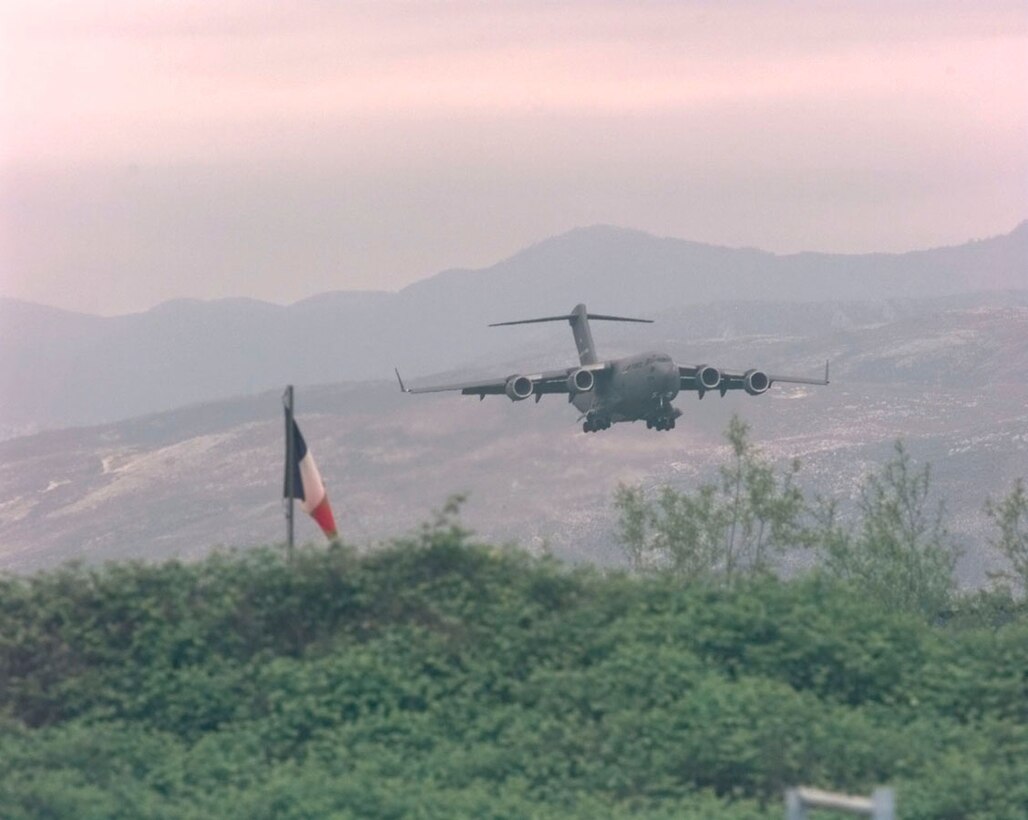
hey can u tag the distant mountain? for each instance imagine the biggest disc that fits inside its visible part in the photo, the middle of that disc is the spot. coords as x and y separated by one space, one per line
59 368
949 376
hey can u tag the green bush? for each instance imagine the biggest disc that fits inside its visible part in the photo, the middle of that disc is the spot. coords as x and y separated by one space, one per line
437 678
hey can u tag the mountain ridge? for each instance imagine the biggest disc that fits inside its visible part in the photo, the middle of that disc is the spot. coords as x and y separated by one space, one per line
1019 231
59 368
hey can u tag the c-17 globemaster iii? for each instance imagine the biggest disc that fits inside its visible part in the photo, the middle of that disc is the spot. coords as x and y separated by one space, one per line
633 388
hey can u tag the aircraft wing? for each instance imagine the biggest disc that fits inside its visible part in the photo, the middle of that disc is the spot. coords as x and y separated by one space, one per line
551 381
704 377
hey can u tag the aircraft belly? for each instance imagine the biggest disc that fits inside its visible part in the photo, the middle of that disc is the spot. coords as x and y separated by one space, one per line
584 401
639 391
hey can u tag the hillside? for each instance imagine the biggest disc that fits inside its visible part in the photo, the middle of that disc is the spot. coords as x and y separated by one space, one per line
949 376
59 369
441 679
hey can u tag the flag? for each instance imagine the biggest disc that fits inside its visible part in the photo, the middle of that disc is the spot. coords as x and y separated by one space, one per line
308 486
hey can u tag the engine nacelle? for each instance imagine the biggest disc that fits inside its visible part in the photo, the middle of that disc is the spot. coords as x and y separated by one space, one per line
707 377
756 382
519 388
581 381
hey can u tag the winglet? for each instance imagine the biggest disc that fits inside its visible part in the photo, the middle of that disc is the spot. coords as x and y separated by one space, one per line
396 370
826 371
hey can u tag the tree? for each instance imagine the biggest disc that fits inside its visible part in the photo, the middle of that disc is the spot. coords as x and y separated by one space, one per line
1011 517
767 510
724 529
898 551
678 533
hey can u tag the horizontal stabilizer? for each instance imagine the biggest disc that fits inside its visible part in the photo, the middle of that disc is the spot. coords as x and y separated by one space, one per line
533 321
603 318
570 317
579 321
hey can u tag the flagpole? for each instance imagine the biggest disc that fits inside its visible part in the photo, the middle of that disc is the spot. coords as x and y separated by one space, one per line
287 401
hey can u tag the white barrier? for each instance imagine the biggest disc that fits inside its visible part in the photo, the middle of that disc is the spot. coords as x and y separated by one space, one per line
881 805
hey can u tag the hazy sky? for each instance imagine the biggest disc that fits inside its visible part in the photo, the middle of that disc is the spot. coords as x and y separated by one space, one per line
156 149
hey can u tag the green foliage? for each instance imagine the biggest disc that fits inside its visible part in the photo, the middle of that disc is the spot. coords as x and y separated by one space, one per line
1010 515
437 678
898 553
723 530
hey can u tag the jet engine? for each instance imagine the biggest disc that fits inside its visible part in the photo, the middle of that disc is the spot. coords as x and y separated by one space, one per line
519 387
708 377
581 381
756 382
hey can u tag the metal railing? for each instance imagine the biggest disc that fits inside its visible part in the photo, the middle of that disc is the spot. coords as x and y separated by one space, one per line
881 805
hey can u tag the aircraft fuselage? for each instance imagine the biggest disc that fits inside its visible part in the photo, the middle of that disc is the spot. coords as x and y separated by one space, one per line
635 387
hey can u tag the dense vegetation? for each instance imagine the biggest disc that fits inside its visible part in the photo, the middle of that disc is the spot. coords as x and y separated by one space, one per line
438 678
893 546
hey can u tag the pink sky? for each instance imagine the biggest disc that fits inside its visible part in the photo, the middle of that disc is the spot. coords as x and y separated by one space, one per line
150 150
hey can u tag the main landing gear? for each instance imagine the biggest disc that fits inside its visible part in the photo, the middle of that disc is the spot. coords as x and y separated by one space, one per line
594 424
664 418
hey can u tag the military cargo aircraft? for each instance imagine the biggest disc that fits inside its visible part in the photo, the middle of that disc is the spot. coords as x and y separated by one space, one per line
633 388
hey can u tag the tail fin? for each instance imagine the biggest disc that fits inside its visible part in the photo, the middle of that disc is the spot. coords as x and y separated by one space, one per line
579 321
